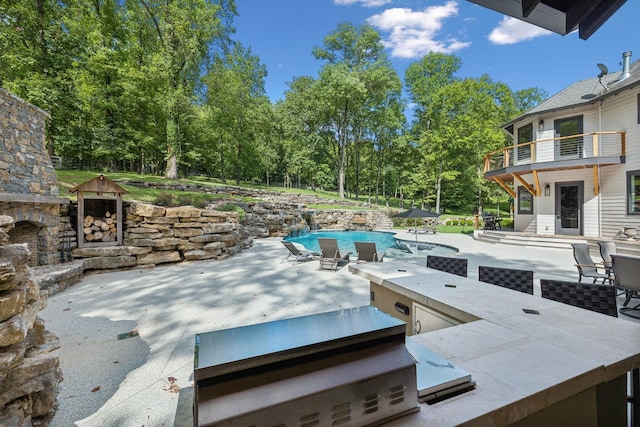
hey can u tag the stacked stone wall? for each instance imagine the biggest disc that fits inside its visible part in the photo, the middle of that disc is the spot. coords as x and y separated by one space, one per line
271 219
351 220
25 166
29 368
157 235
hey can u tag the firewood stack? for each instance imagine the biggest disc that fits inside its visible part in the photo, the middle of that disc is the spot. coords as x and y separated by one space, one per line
100 229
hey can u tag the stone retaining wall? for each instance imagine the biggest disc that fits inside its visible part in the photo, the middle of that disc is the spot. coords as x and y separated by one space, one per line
350 220
157 235
29 370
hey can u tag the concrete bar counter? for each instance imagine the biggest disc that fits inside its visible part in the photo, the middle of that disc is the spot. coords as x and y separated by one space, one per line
553 365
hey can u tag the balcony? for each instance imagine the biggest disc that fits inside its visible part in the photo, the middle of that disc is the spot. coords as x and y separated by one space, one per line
589 150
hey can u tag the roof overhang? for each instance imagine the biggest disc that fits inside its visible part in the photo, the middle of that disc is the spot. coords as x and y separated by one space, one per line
559 16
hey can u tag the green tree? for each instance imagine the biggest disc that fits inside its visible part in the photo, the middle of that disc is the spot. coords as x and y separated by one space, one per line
241 112
184 30
356 79
36 55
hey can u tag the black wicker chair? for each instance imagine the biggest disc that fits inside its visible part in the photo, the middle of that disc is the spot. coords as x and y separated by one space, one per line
518 280
594 297
456 266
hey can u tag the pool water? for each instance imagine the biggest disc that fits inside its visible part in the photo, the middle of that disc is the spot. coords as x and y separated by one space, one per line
385 242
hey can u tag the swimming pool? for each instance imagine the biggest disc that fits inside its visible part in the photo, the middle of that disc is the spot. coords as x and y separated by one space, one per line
384 240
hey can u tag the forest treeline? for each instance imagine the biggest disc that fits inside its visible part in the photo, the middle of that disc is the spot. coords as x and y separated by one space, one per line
161 87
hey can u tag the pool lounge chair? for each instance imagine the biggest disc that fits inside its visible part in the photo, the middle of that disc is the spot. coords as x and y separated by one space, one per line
331 255
429 226
299 254
367 252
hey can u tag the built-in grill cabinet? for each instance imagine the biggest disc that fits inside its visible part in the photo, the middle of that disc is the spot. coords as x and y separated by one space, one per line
342 368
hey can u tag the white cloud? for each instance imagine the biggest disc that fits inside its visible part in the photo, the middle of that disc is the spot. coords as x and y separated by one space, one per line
365 3
413 34
512 30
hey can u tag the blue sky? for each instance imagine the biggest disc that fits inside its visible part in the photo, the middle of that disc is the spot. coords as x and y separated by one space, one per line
282 33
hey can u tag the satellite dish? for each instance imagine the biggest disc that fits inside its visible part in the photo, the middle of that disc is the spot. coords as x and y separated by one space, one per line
603 70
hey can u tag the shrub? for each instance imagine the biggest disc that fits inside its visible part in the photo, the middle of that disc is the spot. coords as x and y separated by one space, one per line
164 199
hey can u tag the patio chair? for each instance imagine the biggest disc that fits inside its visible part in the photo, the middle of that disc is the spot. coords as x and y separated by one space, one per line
626 273
299 254
607 248
456 266
585 264
331 255
518 280
367 252
595 297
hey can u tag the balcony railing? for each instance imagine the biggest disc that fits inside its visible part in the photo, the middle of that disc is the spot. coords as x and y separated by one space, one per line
605 144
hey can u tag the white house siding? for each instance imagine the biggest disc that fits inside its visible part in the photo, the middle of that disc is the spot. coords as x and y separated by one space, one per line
606 214
526 223
620 112
543 219
546 223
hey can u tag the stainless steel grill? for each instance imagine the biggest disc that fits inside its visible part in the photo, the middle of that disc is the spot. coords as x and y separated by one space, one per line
341 368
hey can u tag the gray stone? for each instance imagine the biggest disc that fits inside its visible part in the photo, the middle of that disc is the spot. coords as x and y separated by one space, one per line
220 215
160 257
8 276
200 255
109 262
156 243
14 329
226 227
214 246
12 303
8 359
205 238
187 232
155 235
145 210
190 246
183 212
32 367
107 251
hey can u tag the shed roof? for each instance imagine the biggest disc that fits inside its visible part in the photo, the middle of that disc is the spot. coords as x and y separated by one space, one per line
99 184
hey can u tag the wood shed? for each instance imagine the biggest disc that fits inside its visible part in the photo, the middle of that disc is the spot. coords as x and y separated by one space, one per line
99 212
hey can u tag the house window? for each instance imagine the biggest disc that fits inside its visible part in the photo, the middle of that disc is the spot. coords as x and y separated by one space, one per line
569 148
525 134
525 201
633 192
638 108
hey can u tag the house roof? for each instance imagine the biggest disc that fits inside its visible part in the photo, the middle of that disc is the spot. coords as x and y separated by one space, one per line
585 92
559 16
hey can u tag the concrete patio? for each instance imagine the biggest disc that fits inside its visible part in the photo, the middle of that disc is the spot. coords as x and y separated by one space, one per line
145 377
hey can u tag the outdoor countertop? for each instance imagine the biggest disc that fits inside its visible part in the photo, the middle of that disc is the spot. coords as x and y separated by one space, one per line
521 362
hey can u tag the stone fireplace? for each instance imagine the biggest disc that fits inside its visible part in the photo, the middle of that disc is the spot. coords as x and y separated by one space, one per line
28 191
